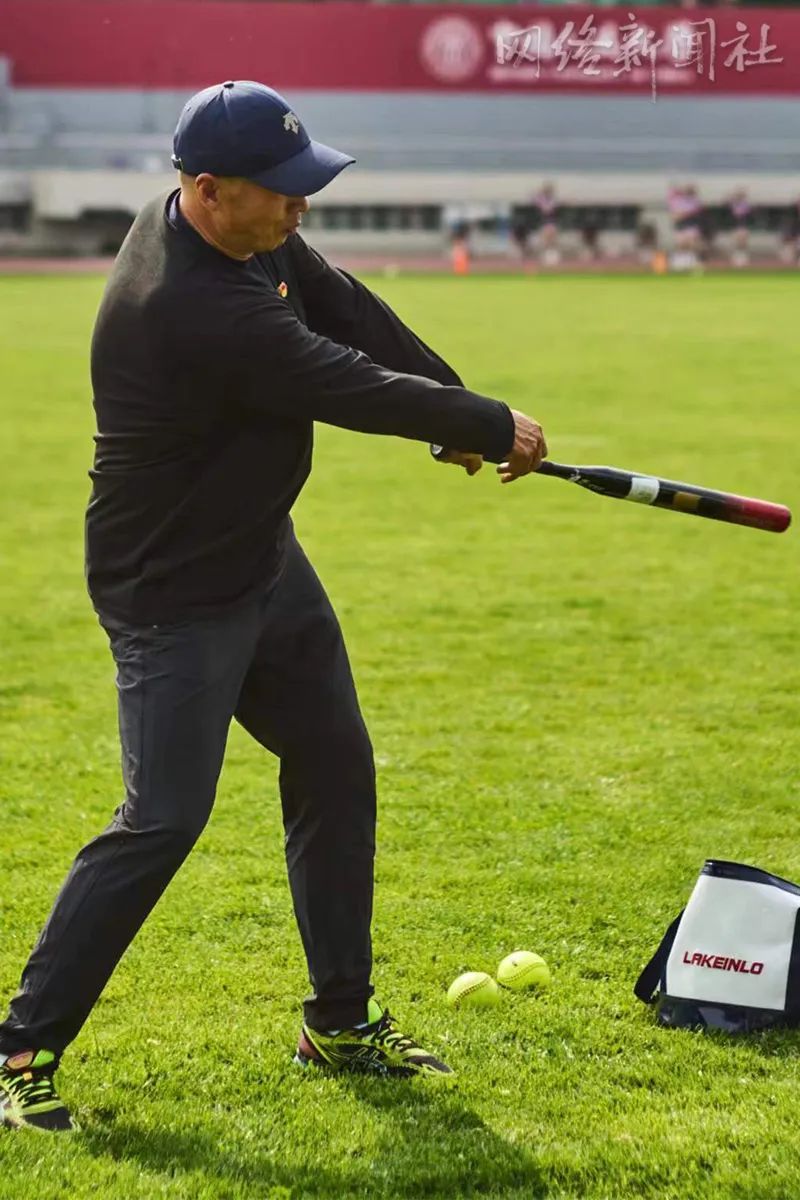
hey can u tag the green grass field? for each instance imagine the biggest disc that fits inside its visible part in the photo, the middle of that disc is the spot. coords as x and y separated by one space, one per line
573 703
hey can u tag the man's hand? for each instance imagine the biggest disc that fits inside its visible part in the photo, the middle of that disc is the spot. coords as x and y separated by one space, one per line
528 450
471 463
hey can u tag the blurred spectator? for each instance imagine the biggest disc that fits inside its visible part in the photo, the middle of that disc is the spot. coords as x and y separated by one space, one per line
687 216
646 242
547 235
741 211
520 237
590 241
455 218
460 230
790 237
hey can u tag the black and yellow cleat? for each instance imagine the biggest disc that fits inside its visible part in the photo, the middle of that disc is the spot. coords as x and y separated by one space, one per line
28 1097
375 1048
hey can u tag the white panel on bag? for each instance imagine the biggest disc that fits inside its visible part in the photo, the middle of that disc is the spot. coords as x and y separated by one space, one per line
733 944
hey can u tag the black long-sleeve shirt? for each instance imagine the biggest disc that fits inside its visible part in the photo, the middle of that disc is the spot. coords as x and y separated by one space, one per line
208 374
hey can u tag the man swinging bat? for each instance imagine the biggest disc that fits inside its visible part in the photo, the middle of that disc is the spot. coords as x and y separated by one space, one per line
220 339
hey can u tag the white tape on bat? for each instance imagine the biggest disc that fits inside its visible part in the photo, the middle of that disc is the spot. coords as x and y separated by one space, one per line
643 489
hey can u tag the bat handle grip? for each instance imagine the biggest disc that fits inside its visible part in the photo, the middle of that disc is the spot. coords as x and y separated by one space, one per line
545 467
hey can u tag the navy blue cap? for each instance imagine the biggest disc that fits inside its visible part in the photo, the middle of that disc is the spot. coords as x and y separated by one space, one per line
247 129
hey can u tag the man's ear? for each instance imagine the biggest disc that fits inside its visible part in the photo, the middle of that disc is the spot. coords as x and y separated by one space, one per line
208 189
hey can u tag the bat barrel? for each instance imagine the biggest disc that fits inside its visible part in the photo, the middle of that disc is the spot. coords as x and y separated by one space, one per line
723 506
679 497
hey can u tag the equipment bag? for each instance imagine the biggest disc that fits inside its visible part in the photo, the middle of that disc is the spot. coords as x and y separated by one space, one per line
731 959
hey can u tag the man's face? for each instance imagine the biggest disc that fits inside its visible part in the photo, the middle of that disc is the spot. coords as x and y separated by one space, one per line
253 217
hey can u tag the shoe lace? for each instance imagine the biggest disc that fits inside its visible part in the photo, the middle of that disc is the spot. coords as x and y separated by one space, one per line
385 1034
31 1087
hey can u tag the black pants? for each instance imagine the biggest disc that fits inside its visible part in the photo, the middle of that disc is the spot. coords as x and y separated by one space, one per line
279 665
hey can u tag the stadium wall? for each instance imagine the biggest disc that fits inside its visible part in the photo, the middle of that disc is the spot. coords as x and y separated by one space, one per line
88 212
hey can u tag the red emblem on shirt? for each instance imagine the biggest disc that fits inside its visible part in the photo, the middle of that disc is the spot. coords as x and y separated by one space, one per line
283 290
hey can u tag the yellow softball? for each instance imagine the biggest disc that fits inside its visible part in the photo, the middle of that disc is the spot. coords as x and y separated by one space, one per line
523 971
475 989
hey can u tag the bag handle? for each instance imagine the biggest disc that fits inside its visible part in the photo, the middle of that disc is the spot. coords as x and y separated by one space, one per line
647 983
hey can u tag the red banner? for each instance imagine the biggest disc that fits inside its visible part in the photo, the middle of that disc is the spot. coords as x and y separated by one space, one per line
363 47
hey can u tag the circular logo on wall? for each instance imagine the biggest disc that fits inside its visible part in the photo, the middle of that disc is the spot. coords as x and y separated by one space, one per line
451 49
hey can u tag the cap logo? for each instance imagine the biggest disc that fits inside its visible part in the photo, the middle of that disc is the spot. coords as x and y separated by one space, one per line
290 122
